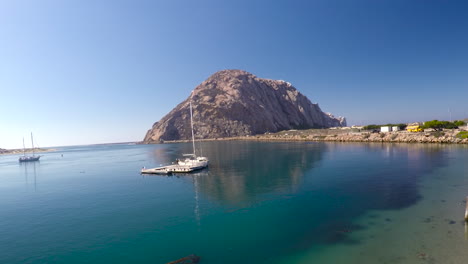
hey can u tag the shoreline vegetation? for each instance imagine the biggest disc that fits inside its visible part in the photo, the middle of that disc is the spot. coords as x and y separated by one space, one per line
20 151
447 136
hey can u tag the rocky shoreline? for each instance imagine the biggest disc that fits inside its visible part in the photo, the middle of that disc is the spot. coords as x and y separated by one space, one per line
447 136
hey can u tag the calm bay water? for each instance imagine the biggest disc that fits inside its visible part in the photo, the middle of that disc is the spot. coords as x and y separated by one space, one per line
291 202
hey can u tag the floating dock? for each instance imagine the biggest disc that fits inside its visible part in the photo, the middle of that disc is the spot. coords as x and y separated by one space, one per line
169 169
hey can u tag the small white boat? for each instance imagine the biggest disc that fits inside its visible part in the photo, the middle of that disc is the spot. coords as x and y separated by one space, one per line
190 163
193 162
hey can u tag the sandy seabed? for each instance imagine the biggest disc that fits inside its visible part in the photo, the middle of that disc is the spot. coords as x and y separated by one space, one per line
431 231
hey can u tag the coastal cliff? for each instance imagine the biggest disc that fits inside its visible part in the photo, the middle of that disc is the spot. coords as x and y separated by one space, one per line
233 103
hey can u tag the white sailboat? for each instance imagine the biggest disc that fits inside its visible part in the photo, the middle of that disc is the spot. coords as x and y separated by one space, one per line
190 162
25 158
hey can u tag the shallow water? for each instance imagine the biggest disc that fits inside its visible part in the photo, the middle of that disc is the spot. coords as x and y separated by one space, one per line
291 202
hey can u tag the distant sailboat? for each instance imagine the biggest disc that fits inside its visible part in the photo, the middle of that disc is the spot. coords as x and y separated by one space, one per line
190 163
25 158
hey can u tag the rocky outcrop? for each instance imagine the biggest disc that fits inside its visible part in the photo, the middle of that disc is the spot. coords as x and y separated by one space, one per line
237 103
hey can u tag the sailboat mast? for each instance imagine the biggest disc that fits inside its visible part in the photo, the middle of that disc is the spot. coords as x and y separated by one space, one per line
191 123
32 143
24 148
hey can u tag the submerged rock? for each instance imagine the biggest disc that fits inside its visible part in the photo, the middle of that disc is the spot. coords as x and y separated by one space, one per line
191 259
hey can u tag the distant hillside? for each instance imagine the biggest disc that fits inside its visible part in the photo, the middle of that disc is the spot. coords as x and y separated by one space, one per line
237 103
20 151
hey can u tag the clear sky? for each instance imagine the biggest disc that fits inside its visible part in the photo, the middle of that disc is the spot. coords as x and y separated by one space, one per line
95 71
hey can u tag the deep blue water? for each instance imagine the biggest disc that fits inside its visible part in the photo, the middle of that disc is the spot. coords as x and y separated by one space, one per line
257 202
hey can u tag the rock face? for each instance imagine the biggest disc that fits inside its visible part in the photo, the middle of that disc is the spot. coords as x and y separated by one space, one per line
237 103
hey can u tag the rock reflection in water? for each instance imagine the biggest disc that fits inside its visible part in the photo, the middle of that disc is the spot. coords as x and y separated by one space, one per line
241 172
329 185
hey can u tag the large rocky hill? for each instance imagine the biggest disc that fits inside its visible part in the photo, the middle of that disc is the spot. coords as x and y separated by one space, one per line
237 103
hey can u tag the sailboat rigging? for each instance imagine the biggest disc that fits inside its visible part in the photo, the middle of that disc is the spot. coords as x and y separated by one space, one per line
26 158
190 163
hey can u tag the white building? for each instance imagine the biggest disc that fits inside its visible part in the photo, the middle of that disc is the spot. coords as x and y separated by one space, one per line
395 128
385 129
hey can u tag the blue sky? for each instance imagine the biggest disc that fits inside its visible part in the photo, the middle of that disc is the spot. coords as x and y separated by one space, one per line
82 72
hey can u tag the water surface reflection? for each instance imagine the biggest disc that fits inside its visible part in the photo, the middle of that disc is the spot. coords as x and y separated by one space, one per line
30 173
243 172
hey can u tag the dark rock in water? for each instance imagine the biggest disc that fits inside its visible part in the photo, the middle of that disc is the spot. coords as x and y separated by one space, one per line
187 260
237 103
452 222
388 219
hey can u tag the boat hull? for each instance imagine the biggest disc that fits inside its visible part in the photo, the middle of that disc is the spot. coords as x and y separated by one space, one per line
170 169
29 158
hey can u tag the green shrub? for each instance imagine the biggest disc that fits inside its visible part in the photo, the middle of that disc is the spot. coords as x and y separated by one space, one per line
462 134
438 134
439 125
371 127
459 123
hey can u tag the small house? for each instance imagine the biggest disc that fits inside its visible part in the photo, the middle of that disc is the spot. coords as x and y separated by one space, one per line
386 129
396 128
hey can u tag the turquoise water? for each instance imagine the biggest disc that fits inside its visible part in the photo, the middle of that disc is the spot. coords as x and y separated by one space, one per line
291 202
